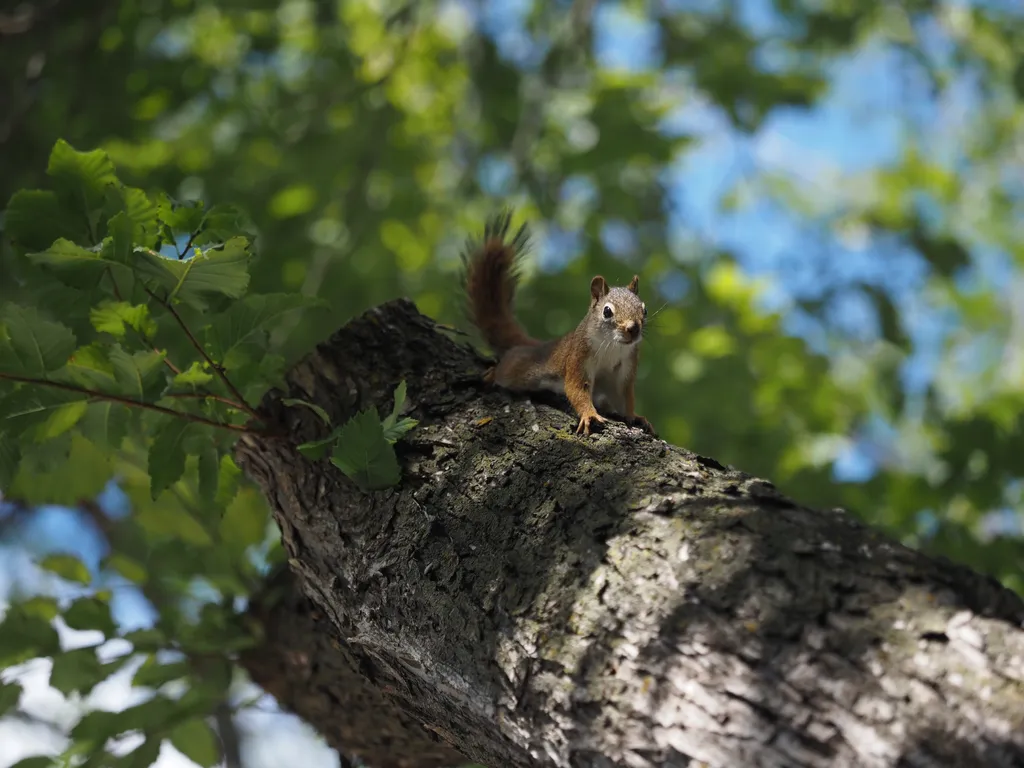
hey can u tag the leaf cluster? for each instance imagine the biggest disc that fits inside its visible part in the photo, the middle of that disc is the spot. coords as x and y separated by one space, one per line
363 447
131 358
134 321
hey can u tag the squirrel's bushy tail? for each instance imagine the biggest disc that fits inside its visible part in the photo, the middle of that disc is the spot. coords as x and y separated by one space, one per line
491 279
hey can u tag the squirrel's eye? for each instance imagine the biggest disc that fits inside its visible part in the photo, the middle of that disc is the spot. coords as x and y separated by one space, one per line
608 311
644 308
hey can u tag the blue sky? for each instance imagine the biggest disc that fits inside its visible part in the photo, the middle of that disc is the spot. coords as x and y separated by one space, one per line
858 126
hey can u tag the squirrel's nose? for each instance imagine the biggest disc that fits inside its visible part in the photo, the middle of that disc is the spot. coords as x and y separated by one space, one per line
632 328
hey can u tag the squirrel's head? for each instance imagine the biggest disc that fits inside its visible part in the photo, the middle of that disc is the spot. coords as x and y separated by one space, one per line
618 313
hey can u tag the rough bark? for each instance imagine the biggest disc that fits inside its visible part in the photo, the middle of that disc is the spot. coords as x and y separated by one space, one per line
527 597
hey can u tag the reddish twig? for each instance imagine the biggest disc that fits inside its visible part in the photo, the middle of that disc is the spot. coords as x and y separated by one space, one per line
126 401
205 396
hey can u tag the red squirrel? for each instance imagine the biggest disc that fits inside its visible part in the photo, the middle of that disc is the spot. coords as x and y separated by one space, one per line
594 363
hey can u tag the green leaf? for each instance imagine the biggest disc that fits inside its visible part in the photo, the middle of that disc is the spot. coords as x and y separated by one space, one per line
25 636
167 454
147 639
80 267
35 218
257 376
396 409
10 695
139 376
37 761
194 739
90 613
36 412
170 521
220 271
77 670
364 455
82 475
290 401
59 421
41 606
105 424
67 567
193 377
244 523
398 430
34 346
244 322
142 756
228 478
141 211
99 725
209 472
81 178
10 455
127 567
394 427
224 222
182 218
118 246
39 458
315 450
89 367
116 317
153 674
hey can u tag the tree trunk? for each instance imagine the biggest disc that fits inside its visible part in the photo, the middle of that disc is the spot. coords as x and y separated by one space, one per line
527 597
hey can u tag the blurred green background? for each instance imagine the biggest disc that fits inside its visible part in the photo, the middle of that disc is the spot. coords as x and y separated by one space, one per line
823 199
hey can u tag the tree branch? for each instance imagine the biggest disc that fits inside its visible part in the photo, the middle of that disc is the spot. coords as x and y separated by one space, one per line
231 744
219 370
188 244
170 365
204 396
528 598
127 401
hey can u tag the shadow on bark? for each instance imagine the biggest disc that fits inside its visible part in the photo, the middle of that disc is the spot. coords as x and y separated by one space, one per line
530 598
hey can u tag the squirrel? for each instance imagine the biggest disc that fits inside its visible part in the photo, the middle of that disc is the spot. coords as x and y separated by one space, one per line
593 364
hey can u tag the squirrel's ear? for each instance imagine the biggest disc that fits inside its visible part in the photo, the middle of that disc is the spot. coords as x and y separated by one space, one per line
598 288
634 284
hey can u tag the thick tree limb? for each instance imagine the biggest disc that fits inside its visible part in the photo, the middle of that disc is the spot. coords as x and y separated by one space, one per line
536 599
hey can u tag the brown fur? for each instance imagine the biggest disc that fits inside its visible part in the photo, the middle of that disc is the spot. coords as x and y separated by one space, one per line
587 358
491 280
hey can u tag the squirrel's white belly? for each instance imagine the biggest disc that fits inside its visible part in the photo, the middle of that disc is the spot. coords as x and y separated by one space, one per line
610 358
607 369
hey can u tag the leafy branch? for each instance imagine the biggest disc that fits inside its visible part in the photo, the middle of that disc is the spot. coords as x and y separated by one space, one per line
217 369
94 395
79 351
107 350
240 403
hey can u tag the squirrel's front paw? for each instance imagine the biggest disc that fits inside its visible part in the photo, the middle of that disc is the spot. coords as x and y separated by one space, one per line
644 424
587 422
